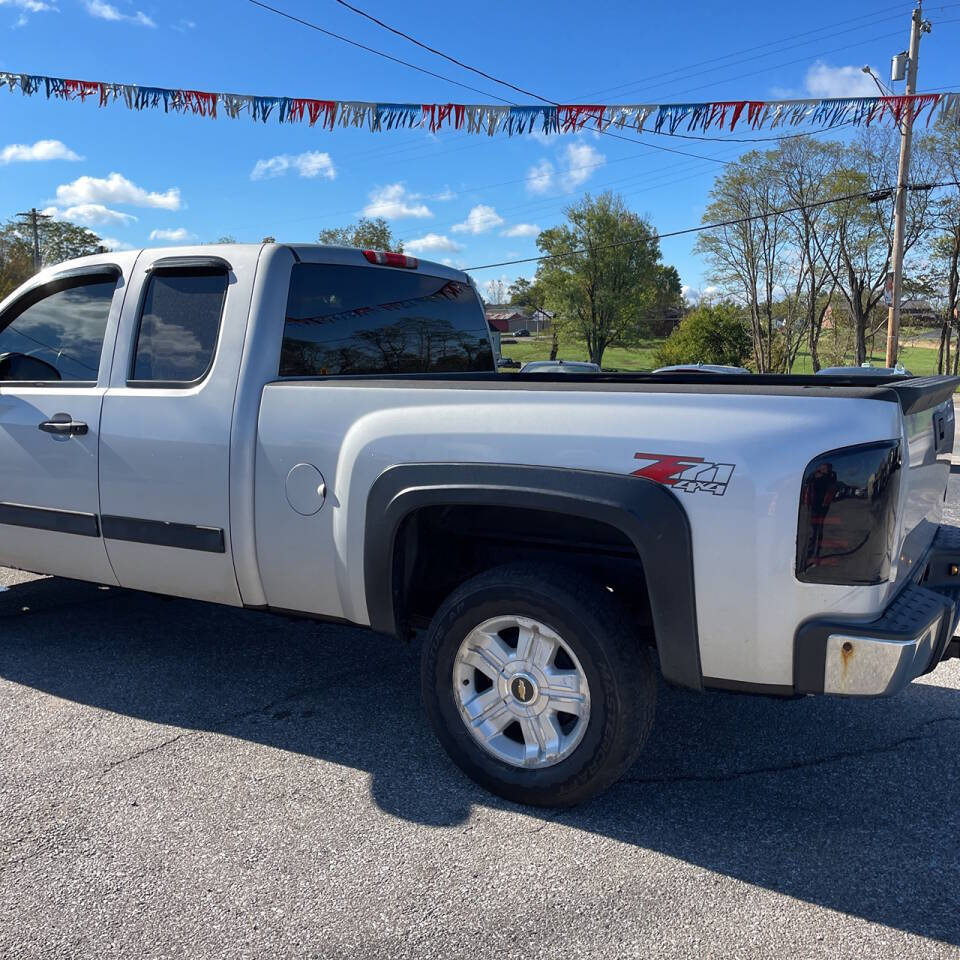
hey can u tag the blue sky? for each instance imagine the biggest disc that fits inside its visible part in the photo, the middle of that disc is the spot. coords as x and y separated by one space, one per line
148 178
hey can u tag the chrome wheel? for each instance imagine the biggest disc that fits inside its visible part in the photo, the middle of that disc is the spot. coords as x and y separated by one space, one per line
521 691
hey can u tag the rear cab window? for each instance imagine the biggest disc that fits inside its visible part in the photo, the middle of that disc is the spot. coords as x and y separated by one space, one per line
344 320
179 326
54 333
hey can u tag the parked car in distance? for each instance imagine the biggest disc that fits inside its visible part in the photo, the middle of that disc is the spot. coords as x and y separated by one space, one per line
701 368
508 362
865 370
560 366
523 332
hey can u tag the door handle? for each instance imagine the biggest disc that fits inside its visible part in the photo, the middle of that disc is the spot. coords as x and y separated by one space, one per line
64 428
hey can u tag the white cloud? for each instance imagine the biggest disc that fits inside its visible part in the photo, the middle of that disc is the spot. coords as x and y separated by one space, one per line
540 177
521 230
581 161
823 80
22 21
107 11
116 188
91 214
310 164
112 243
31 6
41 150
178 235
184 25
433 243
394 203
577 163
479 220
544 139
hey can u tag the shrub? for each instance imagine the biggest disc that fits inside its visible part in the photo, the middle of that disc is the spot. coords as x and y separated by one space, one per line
709 334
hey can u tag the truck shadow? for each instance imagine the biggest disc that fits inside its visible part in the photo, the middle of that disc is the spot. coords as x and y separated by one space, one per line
839 803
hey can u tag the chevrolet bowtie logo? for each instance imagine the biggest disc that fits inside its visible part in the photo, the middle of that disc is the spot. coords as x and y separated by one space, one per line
522 689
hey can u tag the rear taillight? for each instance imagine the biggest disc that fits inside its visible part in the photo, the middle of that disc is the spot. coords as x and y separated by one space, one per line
383 259
848 515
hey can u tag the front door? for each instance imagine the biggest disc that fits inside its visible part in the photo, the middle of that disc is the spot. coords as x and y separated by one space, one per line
53 371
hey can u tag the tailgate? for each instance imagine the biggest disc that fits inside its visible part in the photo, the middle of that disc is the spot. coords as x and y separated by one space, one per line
928 415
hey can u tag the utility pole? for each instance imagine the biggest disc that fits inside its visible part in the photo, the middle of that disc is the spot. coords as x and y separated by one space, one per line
33 217
918 26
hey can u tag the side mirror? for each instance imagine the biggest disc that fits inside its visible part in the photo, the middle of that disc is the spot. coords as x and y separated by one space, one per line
19 366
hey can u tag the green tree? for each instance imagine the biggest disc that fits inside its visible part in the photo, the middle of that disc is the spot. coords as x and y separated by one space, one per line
59 240
366 234
666 302
603 273
709 334
16 261
523 293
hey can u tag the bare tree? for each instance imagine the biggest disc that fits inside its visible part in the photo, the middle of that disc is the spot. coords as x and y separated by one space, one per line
863 225
747 255
805 169
944 144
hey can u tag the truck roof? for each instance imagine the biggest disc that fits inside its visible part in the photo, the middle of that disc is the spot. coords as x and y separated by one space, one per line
308 252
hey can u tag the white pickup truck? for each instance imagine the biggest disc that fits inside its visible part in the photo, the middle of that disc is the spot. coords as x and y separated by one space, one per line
321 431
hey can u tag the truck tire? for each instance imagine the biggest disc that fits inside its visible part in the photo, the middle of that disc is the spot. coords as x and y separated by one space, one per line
536 685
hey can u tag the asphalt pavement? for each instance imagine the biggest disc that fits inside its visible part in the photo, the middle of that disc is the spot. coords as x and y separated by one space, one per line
179 780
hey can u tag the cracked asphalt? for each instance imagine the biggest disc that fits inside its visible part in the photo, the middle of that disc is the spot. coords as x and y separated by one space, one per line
178 780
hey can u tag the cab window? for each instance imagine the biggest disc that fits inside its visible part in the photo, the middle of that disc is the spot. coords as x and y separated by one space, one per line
345 320
55 333
179 325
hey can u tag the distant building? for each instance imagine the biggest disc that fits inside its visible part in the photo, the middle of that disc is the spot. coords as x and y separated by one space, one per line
507 318
501 316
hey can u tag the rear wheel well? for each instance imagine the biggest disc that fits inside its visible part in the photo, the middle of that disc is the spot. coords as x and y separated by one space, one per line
438 548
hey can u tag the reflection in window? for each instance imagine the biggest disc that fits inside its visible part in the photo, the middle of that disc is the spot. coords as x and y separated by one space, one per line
357 320
179 324
64 329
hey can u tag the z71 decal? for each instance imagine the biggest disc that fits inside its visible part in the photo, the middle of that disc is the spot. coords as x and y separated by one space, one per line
691 474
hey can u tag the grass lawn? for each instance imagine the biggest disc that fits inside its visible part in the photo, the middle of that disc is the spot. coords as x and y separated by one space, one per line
918 360
614 358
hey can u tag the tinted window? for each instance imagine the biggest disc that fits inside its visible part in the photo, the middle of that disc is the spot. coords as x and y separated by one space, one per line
359 320
63 329
179 325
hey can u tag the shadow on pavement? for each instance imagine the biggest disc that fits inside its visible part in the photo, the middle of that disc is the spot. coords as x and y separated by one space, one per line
845 804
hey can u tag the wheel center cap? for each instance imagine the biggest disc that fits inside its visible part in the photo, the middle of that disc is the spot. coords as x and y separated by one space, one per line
523 688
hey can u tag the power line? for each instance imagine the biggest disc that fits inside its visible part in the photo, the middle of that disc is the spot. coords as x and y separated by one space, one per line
789 63
379 53
317 27
873 195
684 70
440 53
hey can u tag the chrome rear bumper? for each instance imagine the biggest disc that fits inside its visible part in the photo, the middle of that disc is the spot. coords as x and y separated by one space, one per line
910 638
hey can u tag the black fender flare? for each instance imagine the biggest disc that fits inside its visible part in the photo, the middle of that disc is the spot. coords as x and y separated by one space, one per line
648 513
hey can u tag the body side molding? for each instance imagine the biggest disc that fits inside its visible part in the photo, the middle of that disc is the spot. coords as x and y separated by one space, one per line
45 518
646 512
160 533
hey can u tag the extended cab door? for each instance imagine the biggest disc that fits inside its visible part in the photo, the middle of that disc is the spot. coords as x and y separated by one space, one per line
165 433
56 343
